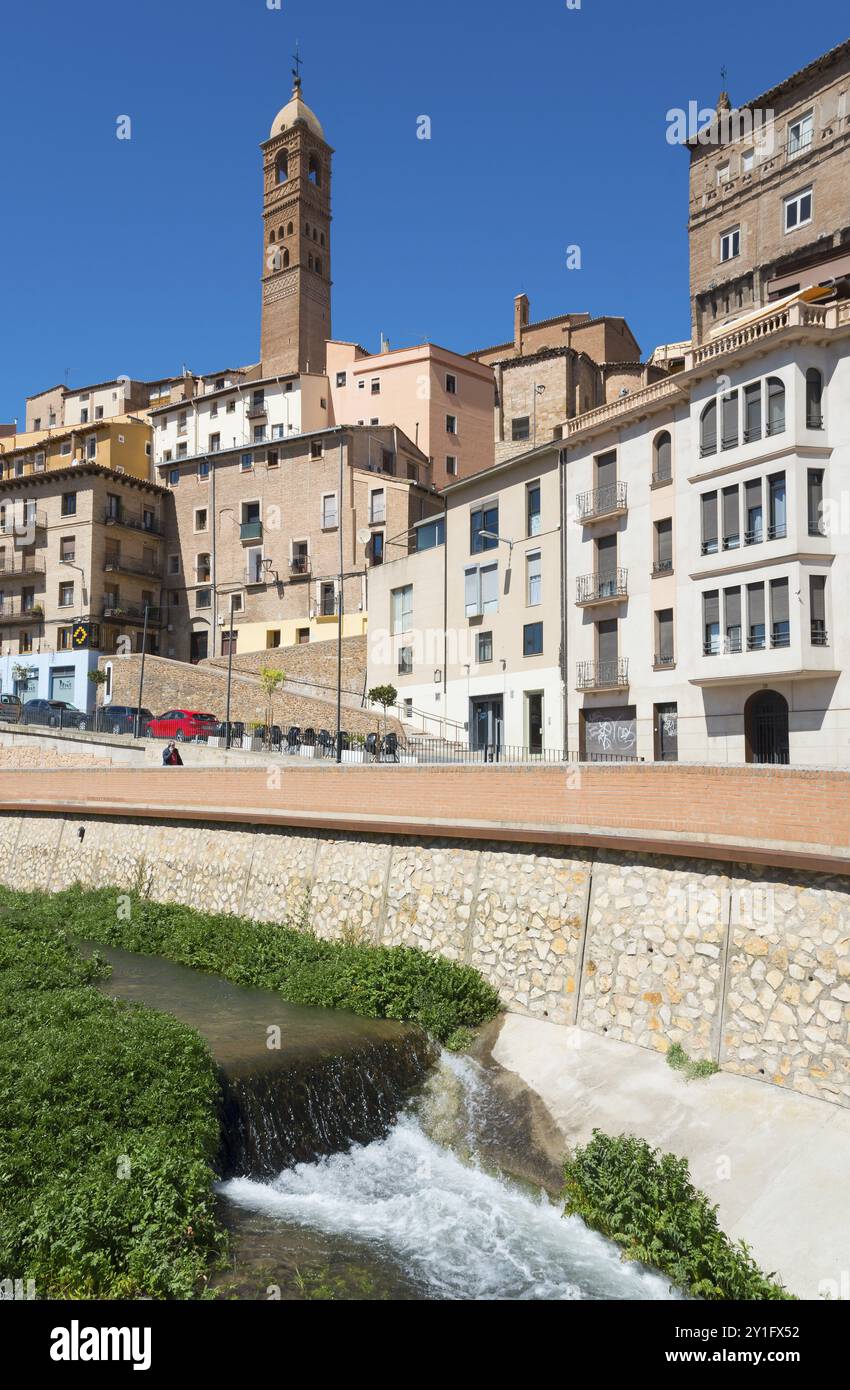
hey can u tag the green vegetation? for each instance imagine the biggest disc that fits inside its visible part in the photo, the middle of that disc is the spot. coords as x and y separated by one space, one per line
396 982
645 1201
678 1059
460 1040
108 1127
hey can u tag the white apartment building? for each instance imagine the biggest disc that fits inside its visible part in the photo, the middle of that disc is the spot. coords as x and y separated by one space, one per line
467 627
231 413
693 543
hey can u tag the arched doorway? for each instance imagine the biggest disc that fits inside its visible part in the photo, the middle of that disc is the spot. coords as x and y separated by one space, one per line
766 728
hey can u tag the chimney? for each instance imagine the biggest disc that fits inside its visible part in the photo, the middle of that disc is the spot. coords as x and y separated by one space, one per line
521 308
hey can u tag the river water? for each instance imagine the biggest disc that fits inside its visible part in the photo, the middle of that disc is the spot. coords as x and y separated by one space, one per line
357 1163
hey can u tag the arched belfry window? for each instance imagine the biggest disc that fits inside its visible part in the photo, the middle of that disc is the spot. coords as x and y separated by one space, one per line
315 171
271 236
285 259
282 167
290 229
280 234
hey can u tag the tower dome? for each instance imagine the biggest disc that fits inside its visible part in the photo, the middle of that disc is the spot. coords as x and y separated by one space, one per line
296 110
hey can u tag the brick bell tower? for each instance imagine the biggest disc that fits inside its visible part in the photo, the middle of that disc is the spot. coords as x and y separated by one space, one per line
296 317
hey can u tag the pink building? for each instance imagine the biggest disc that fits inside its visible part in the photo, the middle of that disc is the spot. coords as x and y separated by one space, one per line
441 400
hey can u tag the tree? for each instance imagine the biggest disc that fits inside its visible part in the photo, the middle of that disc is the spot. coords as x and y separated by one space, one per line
98 678
383 695
271 680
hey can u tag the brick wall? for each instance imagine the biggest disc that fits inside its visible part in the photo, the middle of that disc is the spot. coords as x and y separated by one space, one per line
312 662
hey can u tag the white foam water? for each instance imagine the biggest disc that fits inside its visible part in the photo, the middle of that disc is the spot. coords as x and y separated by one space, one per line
457 1231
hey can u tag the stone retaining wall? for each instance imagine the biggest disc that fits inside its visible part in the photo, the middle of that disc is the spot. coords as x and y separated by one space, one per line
747 966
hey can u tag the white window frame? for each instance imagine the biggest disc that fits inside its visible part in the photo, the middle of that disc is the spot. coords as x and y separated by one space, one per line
401 610
475 604
730 243
254 551
451 465
792 149
530 601
330 525
794 200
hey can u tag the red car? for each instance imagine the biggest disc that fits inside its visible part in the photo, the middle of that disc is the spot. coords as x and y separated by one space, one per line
182 724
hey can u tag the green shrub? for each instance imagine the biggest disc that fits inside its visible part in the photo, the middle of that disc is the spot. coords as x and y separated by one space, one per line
397 982
645 1201
678 1059
108 1128
460 1040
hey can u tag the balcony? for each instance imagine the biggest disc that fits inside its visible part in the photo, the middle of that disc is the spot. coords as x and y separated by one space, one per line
602 675
251 531
22 523
19 566
115 611
660 567
257 410
114 564
15 610
136 521
819 635
300 564
662 478
663 661
601 588
602 503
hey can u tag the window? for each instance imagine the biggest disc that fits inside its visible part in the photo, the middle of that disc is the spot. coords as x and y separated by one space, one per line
202 568
723 173
341 378
39 461
814 493
429 534
174 476
747 161
451 424
534 578
798 210
405 661
377 505
520 428
732 618
200 518
484 519
203 469
532 509
800 133
36 424
754 533
777 525
451 465
64 639
484 647
752 412
65 449
282 167
66 593
327 599
69 504
664 637
730 244
230 408
481 590
375 386
254 568
817 609
84 416
729 420
662 462
708 503
708 430
663 563
203 598
376 546
532 639
174 564
182 451
755 617
317 449
329 511
246 462
67 549
401 619
711 622
775 405
451 384
814 400
780 630
731 518
215 443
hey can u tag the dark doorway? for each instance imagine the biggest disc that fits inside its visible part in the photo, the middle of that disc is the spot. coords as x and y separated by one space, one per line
198 647
766 728
534 720
666 733
486 724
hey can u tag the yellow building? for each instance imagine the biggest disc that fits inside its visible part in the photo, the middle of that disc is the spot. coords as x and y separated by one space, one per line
122 443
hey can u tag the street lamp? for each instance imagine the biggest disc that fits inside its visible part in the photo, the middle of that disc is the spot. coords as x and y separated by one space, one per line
493 536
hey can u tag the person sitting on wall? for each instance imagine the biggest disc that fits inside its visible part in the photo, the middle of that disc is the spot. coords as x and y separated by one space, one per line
170 756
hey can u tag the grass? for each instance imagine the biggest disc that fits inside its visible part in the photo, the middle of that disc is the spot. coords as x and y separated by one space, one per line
108 1129
678 1059
645 1201
397 982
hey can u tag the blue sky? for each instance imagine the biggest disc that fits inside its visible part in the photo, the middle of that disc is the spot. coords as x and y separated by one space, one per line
548 130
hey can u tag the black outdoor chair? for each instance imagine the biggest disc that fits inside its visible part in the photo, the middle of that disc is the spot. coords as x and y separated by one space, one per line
390 748
344 741
324 742
293 739
276 736
371 745
309 737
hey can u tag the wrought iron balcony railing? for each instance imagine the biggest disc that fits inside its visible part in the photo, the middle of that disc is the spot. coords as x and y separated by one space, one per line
602 675
602 588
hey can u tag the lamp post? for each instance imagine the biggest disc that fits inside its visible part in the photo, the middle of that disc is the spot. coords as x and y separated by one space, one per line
142 671
229 674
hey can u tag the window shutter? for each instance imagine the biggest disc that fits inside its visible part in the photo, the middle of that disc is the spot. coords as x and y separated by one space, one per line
606 554
709 516
731 525
665 632
778 601
817 597
471 592
606 470
732 599
755 604
664 533
489 588
607 646
711 607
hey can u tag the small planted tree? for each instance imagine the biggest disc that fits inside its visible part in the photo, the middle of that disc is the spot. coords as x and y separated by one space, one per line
98 679
383 695
271 680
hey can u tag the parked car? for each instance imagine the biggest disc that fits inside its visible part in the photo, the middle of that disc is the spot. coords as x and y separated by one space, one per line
182 724
56 714
10 708
121 719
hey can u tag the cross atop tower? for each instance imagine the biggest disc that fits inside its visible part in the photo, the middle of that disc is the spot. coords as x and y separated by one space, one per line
296 71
